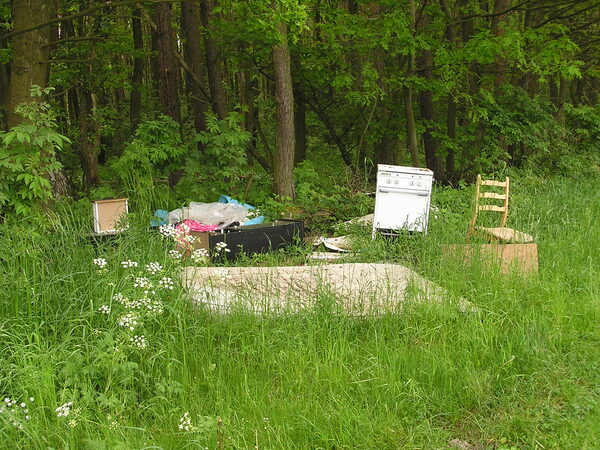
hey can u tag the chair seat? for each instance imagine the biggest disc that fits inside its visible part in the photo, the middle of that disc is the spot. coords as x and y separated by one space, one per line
507 235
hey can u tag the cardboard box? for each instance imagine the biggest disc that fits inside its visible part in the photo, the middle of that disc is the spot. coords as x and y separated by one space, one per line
520 257
260 238
109 215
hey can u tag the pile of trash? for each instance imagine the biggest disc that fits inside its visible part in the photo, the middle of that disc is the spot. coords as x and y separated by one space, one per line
198 216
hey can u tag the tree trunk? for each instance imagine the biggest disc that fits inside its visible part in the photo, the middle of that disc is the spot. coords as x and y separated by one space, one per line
29 67
89 139
283 164
563 92
452 107
299 116
168 68
29 64
213 67
138 70
451 132
577 91
3 94
299 124
190 25
411 129
498 30
467 31
427 114
248 88
385 151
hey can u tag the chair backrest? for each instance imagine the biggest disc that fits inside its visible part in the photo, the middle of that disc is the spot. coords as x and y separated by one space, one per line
489 201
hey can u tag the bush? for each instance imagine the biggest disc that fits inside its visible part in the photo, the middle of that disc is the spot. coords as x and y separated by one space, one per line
28 157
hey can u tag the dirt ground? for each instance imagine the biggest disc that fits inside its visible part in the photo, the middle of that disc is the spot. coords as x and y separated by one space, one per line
357 288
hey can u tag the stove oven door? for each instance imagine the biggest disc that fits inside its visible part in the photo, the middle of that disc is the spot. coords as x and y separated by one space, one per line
401 209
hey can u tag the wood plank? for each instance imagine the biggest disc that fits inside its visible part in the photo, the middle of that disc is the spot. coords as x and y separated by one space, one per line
492 195
520 257
492 208
507 235
493 183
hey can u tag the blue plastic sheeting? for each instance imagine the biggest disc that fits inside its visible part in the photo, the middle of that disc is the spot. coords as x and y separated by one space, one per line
227 199
160 218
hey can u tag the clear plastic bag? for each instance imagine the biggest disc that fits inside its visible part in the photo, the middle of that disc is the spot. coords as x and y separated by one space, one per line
219 214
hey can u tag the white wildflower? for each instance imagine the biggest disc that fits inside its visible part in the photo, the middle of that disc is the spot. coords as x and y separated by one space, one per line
128 264
138 341
185 423
166 283
64 410
129 321
132 304
104 309
153 267
167 230
141 282
100 262
199 255
154 307
222 247
175 254
14 412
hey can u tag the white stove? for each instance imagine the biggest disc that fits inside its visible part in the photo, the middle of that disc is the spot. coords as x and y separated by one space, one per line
402 199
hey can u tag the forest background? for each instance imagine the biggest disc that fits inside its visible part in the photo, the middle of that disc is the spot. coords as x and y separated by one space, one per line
170 101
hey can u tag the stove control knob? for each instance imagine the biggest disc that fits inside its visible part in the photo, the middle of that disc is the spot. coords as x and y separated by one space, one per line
388 181
395 181
412 183
419 183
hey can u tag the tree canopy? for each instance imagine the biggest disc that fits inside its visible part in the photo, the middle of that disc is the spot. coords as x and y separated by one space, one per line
205 96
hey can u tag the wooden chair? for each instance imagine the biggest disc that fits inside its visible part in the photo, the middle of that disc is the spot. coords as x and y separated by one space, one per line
488 201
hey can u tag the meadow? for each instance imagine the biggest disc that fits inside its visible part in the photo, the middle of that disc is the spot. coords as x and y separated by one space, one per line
79 370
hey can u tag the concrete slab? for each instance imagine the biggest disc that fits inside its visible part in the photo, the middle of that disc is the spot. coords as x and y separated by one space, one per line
358 288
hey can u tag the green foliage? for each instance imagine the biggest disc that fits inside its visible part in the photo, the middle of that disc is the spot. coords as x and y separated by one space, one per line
221 165
551 52
323 197
28 156
585 125
516 128
583 153
156 150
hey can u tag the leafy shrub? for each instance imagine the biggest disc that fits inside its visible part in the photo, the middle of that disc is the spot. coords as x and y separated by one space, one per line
321 200
221 166
518 129
155 151
28 157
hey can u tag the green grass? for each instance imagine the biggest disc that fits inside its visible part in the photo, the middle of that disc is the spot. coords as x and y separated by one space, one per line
524 371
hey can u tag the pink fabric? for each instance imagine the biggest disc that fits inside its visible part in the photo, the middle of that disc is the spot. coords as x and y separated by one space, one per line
195 226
